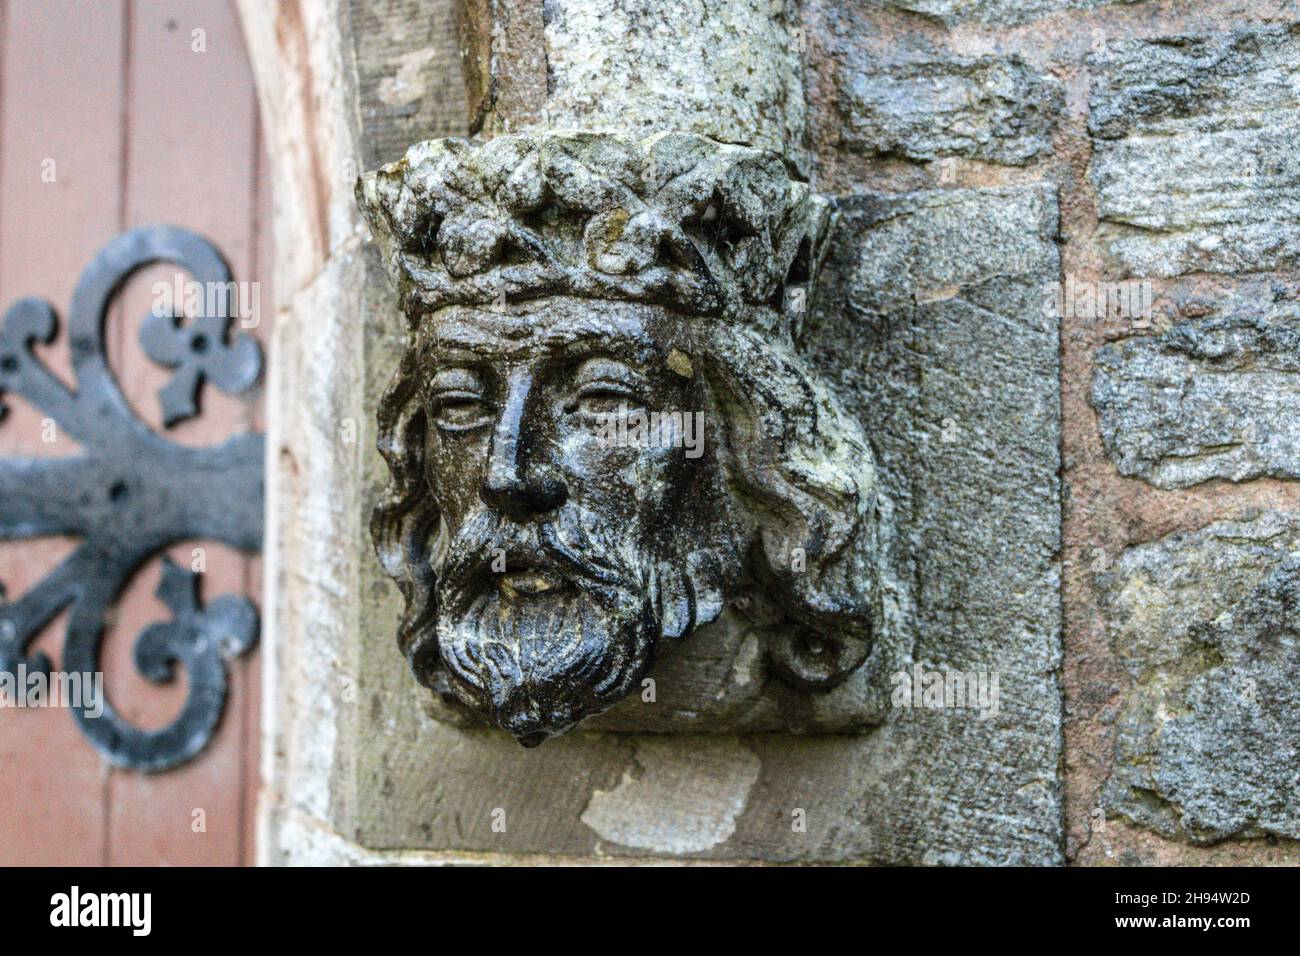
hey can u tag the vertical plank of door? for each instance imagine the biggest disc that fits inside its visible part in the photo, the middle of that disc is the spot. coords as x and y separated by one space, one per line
61 99
191 152
264 258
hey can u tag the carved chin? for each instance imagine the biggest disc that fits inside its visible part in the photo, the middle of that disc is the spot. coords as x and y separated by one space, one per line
566 630
539 663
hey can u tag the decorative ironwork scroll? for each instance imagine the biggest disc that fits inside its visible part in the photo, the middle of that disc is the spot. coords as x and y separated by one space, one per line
131 493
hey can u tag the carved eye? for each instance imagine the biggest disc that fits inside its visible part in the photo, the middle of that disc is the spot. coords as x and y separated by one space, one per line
605 387
458 400
606 398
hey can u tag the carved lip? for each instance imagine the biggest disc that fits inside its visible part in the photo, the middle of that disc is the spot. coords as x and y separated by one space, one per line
528 578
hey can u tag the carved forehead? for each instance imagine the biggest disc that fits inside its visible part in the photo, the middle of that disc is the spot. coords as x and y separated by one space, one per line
635 329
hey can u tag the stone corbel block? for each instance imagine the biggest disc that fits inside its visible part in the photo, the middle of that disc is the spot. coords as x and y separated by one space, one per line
606 450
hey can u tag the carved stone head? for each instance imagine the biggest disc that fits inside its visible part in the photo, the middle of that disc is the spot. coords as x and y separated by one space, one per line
600 432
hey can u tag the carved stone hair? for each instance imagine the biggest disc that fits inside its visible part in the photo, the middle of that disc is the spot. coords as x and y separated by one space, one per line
708 230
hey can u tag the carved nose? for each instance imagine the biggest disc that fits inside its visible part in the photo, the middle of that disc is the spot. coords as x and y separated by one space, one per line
510 484
521 496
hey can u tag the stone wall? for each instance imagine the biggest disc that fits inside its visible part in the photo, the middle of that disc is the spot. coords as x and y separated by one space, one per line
1091 496
1164 132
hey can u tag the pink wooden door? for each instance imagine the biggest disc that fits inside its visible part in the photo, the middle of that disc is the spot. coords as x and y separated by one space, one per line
115 114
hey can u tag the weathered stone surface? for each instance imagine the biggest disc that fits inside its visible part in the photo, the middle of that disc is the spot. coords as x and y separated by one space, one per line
949 364
1205 622
676 805
1217 397
599 216
1194 158
991 108
729 69
932 311
400 50
348 746
687 247
992 12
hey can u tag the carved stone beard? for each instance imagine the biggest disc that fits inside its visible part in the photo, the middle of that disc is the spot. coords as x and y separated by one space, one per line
538 663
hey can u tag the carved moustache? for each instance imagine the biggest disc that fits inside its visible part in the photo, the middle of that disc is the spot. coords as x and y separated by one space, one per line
489 548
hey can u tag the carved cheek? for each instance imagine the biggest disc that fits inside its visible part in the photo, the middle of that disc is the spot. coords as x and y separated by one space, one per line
453 468
618 469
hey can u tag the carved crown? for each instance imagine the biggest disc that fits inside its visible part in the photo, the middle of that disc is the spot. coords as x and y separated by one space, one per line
678 219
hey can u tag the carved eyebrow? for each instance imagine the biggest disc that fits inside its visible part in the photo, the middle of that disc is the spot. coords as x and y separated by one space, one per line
440 355
451 346
633 343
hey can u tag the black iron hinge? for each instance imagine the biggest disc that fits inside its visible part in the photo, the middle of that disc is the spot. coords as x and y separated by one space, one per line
130 493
